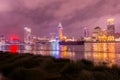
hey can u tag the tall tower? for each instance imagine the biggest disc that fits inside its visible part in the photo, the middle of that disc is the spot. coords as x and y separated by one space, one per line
27 37
110 27
86 32
60 31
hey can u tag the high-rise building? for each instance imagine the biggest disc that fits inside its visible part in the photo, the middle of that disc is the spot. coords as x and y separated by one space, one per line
27 37
86 32
97 30
60 31
96 33
110 27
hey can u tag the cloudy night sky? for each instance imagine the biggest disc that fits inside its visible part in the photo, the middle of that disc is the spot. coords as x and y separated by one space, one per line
43 16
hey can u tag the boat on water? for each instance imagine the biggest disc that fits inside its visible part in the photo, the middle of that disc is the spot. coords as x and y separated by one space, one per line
71 42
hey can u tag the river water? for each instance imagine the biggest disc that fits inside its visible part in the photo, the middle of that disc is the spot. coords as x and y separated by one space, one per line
103 52
108 53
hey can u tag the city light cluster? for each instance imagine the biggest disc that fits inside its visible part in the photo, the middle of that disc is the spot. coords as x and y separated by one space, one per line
103 35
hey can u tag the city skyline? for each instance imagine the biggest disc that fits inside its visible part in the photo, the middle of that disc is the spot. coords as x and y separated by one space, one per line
43 16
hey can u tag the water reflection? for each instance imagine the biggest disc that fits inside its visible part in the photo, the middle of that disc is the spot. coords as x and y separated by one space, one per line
102 53
97 52
52 49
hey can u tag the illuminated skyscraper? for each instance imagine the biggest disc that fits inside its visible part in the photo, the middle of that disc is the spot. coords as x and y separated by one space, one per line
96 33
60 31
27 37
110 27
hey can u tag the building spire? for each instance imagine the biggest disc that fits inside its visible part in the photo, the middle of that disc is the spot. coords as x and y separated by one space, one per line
60 25
60 31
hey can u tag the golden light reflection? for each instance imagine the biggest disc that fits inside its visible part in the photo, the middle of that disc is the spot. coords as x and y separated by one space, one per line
102 52
112 55
65 53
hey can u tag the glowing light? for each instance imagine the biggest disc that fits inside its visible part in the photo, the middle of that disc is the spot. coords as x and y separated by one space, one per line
111 38
110 20
55 49
60 25
14 48
27 29
14 38
28 47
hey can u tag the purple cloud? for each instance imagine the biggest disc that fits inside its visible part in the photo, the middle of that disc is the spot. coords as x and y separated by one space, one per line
43 16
